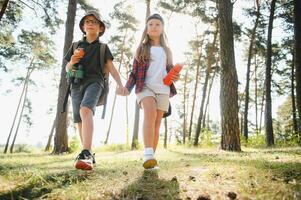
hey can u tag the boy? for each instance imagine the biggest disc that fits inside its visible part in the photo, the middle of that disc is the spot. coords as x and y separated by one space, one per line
86 90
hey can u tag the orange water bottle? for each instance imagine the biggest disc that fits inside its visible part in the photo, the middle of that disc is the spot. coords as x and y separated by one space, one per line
175 70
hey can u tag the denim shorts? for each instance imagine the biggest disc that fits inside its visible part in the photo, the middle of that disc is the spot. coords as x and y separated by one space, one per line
85 97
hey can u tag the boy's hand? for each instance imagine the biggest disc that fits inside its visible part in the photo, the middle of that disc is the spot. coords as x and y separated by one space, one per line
123 91
77 55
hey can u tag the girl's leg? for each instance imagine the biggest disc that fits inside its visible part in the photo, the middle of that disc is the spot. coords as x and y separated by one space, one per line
150 114
87 127
157 128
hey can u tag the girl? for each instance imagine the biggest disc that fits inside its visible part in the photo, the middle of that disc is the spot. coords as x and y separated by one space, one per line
152 62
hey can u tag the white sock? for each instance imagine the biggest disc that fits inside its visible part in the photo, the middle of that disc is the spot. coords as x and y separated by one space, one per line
148 153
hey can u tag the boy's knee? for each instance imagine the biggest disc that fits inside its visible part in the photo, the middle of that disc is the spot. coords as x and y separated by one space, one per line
85 111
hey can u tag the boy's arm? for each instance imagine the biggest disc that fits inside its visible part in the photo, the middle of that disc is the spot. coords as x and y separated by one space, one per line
132 77
110 66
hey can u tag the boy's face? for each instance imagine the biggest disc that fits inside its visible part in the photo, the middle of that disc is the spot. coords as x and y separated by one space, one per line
92 25
154 28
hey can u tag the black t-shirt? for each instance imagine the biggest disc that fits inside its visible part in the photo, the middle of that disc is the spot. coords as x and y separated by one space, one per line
91 59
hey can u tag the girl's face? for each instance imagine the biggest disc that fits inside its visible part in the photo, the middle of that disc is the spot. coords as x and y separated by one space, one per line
92 25
154 28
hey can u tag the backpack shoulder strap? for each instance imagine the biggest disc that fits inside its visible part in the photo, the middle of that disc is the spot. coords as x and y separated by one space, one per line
102 57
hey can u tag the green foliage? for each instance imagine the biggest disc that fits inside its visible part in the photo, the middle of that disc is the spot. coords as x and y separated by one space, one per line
256 141
74 144
23 148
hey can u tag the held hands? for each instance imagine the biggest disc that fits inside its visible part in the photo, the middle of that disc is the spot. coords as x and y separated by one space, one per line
123 91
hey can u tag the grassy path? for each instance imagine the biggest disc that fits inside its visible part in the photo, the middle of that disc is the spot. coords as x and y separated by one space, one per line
184 174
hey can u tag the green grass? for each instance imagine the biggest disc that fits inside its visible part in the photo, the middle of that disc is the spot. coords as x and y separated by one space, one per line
185 173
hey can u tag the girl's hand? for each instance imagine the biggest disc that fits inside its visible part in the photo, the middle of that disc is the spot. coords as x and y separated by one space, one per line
123 91
175 77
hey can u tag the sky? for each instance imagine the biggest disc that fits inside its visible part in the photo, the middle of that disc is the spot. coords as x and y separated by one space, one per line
179 31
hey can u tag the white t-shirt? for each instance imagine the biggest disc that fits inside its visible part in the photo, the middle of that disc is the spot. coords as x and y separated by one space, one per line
157 71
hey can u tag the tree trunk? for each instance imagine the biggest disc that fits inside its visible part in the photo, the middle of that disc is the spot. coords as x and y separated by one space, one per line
184 108
208 98
295 122
261 111
256 96
20 117
3 8
147 9
208 71
61 136
268 120
18 107
50 136
165 133
136 127
229 83
250 55
197 74
297 63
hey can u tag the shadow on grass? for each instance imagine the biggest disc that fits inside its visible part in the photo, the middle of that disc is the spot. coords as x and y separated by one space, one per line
149 186
38 186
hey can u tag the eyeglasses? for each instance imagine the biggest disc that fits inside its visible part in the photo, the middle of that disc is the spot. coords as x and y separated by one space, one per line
94 22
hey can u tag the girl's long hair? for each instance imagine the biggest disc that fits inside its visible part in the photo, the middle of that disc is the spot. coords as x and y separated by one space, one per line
143 50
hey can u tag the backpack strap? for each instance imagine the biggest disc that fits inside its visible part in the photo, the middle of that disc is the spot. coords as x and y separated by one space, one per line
105 74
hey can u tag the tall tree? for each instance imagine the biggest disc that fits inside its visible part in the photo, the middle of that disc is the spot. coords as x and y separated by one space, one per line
229 83
61 137
297 59
250 55
211 49
268 79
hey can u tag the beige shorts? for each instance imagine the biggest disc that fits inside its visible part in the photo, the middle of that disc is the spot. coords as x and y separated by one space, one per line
162 100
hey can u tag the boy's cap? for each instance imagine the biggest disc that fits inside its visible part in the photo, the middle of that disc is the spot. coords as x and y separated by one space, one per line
155 16
97 16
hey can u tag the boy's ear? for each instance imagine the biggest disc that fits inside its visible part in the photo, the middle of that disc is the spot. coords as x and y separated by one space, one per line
101 29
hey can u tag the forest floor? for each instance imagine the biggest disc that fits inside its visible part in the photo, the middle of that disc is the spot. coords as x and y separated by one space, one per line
184 173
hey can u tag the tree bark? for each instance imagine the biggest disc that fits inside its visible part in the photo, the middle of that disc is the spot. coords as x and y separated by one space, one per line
61 136
250 55
165 133
268 120
208 99
50 136
3 8
229 83
136 127
297 63
184 108
295 122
